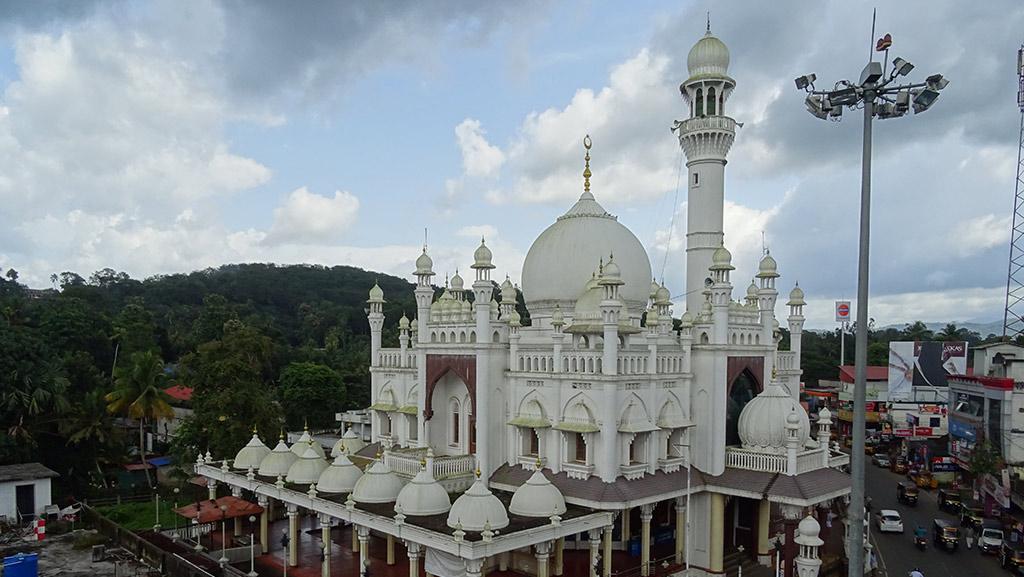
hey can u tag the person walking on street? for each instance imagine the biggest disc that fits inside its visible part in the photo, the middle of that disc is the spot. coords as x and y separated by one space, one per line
969 535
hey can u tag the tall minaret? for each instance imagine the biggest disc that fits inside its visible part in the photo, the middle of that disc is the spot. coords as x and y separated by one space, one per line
705 137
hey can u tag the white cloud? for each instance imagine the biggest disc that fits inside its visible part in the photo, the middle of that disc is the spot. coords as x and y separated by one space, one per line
479 157
634 156
981 233
930 306
308 218
478 231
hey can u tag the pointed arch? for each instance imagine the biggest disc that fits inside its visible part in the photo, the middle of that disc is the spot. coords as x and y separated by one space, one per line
634 417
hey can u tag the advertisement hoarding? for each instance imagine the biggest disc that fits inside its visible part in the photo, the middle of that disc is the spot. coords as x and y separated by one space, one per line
923 364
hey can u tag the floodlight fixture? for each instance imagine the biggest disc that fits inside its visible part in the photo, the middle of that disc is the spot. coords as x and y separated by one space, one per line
885 110
936 82
901 67
836 113
924 99
813 102
871 74
804 81
902 102
843 96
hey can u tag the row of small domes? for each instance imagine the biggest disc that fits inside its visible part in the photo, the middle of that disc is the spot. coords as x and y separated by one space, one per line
475 510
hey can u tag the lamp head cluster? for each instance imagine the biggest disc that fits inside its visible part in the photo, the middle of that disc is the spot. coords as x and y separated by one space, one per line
878 85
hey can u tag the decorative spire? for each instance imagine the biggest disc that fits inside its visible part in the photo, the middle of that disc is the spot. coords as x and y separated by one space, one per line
586 170
708 30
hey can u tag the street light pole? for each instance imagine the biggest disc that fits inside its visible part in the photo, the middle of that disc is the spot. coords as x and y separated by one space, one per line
879 96
223 535
252 546
156 526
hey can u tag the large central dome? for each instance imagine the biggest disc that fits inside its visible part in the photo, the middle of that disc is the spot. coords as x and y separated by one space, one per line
566 254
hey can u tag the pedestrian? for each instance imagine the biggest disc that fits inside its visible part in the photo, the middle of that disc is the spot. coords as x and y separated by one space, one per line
828 519
969 535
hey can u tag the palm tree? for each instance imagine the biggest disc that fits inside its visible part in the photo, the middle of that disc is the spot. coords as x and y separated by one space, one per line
139 394
25 400
917 331
951 332
90 425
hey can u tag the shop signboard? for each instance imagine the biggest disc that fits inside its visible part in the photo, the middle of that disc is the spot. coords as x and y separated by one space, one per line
943 465
995 489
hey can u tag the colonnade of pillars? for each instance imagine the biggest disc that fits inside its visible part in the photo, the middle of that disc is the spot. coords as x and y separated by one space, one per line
600 540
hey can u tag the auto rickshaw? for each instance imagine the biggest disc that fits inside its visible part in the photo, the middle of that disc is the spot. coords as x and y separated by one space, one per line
899 465
925 480
945 534
906 493
949 500
971 513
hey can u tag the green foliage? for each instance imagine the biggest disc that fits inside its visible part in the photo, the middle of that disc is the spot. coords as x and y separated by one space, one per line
139 516
310 394
233 391
985 459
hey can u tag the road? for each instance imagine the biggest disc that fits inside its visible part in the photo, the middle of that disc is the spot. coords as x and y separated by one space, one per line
898 553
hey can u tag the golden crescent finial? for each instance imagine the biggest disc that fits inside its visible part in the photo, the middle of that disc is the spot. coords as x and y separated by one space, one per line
587 143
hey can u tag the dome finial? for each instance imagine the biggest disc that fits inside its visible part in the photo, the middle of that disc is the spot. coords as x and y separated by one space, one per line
708 31
587 143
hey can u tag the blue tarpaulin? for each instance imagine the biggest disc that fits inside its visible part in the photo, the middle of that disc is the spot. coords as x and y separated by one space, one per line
22 565
159 461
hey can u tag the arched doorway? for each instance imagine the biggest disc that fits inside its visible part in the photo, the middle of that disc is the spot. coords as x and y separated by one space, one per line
744 388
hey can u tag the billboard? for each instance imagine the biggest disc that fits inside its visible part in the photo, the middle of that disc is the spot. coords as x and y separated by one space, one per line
923 364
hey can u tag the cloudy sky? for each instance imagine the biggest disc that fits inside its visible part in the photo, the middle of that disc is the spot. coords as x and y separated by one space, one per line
172 136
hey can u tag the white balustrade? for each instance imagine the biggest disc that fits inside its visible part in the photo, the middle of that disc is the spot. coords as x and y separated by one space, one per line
407 463
671 464
808 461
580 471
633 471
754 461
785 360
393 359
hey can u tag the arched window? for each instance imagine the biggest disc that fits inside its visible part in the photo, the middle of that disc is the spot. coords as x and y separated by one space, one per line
700 102
456 422
744 388
711 101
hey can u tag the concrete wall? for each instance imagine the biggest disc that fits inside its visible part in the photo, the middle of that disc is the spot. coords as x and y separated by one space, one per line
8 493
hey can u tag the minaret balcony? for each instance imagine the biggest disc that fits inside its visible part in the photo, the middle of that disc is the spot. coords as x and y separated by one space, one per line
707 123
396 359
785 361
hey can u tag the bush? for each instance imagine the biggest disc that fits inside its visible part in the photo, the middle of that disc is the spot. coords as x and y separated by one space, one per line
88 539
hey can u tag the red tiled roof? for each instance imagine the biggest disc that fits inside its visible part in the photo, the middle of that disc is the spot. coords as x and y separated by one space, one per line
179 392
875 373
210 511
620 492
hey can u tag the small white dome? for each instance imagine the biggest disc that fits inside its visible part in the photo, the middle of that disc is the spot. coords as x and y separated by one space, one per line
557 318
423 496
276 463
708 57
796 297
808 531
762 424
251 455
403 323
350 443
307 468
721 259
654 289
612 270
376 294
457 283
663 297
752 290
514 319
537 497
686 320
793 419
482 256
340 477
478 509
377 485
424 264
306 441
824 416
768 268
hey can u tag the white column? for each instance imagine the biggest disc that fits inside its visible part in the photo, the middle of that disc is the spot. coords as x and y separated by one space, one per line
391 549
293 536
264 502
364 549
236 492
680 529
211 489
607 554
559 553
325 536
474 567
415 551
542 552
595 547
646 515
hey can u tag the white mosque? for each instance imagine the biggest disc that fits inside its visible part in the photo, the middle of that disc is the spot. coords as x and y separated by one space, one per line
605 424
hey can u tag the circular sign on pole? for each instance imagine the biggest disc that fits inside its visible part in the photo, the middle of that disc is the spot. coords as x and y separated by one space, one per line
842 311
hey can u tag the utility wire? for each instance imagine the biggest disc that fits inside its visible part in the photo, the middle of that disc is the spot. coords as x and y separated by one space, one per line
672 222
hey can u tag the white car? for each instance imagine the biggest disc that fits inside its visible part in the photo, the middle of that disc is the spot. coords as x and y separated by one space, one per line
889 521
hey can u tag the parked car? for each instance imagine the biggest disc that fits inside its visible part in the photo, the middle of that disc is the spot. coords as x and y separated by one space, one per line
881 460
899 465
1011 555
945 534
991 538
889 521
949 500
906 493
